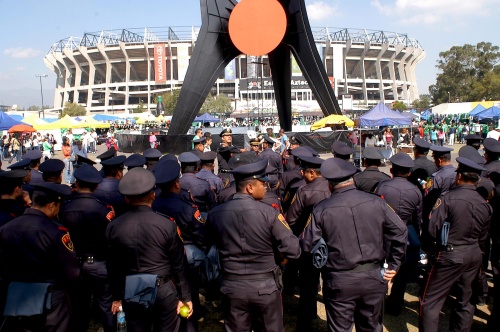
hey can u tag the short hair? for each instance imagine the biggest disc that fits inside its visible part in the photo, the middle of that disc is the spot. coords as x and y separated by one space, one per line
8 187
87 185
111 171
241 185
197 130
470 177
421 150
372 162
400 171
41 199
188 168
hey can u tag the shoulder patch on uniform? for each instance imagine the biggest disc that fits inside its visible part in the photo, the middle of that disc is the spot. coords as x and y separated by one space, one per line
111 214
282 219
293 199
308 221
197 216
66 241
62 228
438 203
179 233
275 206
287 197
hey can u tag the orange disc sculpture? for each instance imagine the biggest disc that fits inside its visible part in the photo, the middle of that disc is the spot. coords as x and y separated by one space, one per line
256 27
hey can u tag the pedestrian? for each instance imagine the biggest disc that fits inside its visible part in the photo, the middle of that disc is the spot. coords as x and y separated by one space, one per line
68 162
361 234
152 140
15 146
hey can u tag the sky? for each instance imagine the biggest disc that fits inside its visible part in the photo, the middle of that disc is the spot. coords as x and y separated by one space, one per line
30 27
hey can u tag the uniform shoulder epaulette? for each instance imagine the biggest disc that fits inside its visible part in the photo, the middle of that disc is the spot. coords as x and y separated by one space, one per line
164 215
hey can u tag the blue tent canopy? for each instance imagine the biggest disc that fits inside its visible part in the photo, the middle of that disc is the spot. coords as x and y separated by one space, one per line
16 117
7 122
478 109
205 117
425 115
490 113
105 117
381 115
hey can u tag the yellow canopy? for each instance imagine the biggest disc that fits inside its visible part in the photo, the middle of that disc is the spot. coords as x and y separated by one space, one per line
64 122
160 118
35 121
87 121
332 120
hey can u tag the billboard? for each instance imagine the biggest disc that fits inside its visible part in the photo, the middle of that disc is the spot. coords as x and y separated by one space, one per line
267 83
160 63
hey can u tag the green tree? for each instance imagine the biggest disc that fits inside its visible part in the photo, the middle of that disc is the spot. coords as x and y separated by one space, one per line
399 106
140 107
73 109
423 103
169 100
216 105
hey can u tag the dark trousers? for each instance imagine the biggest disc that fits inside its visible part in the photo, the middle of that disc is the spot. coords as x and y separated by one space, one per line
308 283
252 304
354 298
93 287
494 319
162 316
458 267
395 301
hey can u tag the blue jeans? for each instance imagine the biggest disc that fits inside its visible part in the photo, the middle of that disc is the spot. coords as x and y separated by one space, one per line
15 154
68 172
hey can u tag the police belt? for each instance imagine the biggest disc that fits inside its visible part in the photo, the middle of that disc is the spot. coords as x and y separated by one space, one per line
89 259
256 276
162 280
460 247
362 268
224 170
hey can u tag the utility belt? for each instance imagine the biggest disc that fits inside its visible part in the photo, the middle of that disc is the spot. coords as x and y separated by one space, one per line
452 247
89 259
274 274
25 299
142 288
362 268
224 170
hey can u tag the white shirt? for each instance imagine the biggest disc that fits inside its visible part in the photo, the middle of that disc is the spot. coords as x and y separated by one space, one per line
370 141
493 134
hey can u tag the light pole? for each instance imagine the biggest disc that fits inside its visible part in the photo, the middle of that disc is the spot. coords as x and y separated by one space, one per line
41 91
261 85
449 98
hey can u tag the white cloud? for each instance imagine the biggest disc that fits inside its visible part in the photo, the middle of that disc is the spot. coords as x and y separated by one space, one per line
320 10
21 52
433 11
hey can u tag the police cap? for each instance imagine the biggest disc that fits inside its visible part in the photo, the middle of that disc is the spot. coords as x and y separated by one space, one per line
226 132
114 162
491 145
188 158
136 182
371 153
163 160
22 164
421 143
110 153
440 150
473 137
51 166
255 170
208 157
341 148
167 172
310 162
472 154
33 155
87 173
269 140
255 142
467 165
54 191
82 160
14 175
295 141
135 160
170 156
241 159
403 160
152 153
337 169
302 151
199 141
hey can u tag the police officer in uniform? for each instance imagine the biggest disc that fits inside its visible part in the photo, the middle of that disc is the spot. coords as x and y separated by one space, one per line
272 157
12 204
473 140
247 233
368 180
288 160
355 226
52 170
342 150
406 200
424 168
135 160
108 154
107 191
292 180
35 157
200 190
494 319
35 249
160 255
207 164
459 259
492 156
224 154
199 146
25 164
86 219
255 146
152 156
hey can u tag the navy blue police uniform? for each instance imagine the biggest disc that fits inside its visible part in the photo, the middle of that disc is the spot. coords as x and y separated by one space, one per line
135 160
368 180
35 157
108 154
206 174
272 157
11 207
288 160
152 156
107 191
200 190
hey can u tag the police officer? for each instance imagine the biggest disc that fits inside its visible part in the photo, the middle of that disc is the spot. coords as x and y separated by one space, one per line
473 140
191 225
494 319
107 191
198 146
207 164
406 200
223 156
40 253
12 203
492 156
200 190
255 146
25 164
272 157
288 160
457 261
152 156
135 160
159 259
86 219
52 170
35 157
368 179
108 154
342 150
354 226
424 168
246 232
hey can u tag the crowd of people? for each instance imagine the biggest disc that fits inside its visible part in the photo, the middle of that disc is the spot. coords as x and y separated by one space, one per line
270 222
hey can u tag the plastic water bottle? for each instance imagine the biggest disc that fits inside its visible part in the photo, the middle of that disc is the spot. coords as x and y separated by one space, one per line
121 323
383 269
422 182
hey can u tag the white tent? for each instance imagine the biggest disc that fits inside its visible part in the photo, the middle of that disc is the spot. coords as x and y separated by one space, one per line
452 108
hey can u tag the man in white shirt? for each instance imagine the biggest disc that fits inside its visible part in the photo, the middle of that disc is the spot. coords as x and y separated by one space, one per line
495 134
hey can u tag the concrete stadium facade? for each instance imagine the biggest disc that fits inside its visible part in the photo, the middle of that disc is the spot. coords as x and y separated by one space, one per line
112 71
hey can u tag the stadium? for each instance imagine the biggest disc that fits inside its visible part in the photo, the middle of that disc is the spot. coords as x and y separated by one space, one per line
115 71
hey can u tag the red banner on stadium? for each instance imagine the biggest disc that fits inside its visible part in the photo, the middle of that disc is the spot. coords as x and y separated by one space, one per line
160 64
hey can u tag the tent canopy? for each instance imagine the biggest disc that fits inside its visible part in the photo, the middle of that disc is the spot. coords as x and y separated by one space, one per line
87 121
105 117
34 120
65 122
490 113
205 117
332 120
425 115
381 115
6 122
478 109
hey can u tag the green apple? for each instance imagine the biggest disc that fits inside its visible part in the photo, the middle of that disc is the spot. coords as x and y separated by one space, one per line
184 311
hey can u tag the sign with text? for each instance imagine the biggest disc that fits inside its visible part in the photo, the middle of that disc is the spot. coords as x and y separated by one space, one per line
160 63
267 83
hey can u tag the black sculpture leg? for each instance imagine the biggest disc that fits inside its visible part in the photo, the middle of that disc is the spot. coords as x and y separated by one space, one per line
280 63
212 53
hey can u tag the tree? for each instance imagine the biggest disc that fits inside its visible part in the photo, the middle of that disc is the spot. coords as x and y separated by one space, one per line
219 104
140 107
423 103
466 73
169 100
73 109
399 106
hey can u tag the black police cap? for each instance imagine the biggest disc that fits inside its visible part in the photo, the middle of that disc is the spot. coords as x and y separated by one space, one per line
255 170
208 157
372 153
421 143
33 155
136 182
114 162
491 145
240 159
467 165
225 131
341 148
188 158
168 171
152 153
310 162
473 137
269 140
471 153
440 150
53 190
14 175
135 160
22 164
337 169
254 142
83 160
301 151
163 160
314 152
51 166
170 156
87 173
199 141
403 160
295 141
110 153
